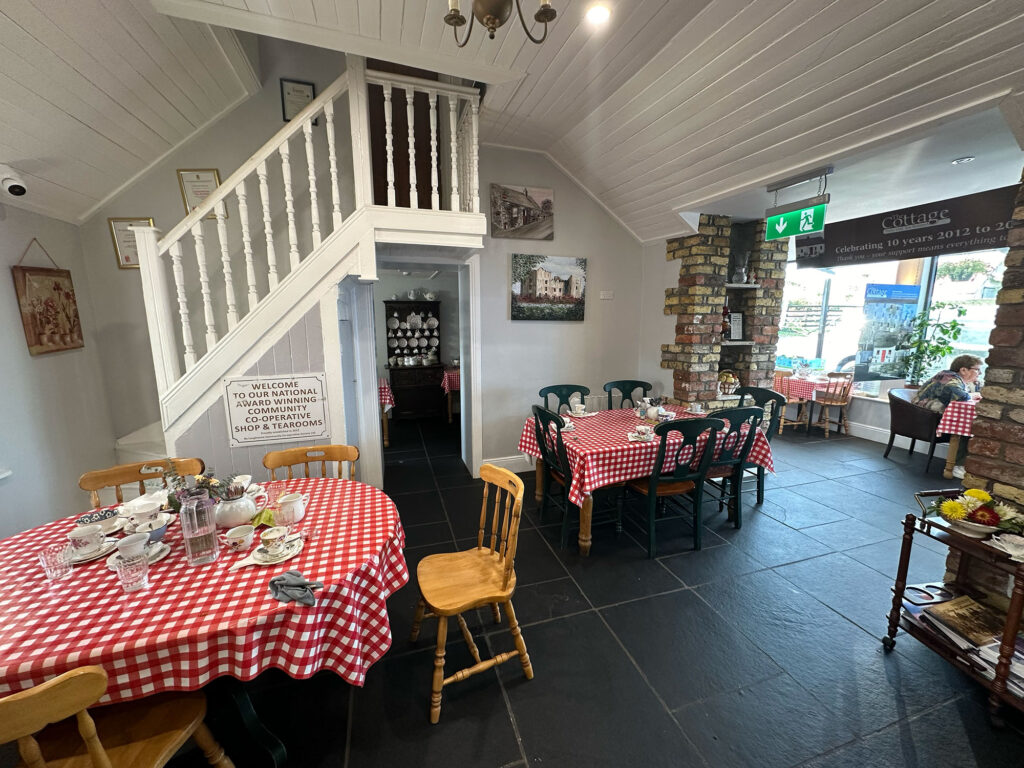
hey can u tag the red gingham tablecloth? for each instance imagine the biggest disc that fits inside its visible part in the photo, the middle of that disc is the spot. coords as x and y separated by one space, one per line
196 623
603 454
450 382
387 397
957 418
803 388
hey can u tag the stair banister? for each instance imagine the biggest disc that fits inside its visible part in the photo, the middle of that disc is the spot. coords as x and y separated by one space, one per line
159 315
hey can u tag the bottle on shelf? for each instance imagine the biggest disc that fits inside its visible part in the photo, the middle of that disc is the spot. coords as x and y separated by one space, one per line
726 322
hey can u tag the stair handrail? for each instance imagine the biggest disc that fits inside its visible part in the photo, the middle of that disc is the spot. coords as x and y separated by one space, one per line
418 83
246 169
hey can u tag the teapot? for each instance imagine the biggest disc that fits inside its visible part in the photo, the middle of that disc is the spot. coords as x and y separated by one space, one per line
412 294
232 512
429 296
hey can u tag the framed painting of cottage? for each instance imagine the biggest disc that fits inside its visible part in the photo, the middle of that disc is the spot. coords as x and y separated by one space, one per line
527 213
49 311
548 287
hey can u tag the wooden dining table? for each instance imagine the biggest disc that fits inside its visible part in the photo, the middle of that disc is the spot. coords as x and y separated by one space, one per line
601 454
197 623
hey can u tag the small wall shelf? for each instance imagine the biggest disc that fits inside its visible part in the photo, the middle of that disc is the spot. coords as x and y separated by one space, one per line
742 285
739 343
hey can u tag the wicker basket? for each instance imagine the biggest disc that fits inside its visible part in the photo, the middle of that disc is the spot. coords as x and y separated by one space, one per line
725 388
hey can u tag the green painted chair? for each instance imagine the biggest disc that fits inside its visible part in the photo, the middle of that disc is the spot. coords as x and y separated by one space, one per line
773 403
683 470
733 448
562 393
628 388
548 431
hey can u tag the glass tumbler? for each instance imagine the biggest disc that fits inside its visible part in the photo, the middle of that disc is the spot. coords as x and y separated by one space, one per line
199 529
56 560
133 572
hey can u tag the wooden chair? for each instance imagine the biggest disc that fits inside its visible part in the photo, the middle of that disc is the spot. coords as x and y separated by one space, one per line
456 582
627 387
139 734
782 385
774 404
913 421
836 395
312 454
734 448
563 393
547 427
140 472
682 474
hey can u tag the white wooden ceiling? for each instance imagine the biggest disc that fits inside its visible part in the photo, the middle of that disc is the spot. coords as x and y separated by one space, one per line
93 92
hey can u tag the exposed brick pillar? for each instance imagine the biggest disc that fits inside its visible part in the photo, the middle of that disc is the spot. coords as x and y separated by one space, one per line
996 458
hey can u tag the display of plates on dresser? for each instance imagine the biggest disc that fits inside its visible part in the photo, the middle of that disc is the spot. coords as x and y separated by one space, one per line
393 321
392 343
414 320
431 322
423 342
403 343
434 342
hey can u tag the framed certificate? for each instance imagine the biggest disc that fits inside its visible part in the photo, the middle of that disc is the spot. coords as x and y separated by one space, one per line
295 96
125 248
735 326
197 184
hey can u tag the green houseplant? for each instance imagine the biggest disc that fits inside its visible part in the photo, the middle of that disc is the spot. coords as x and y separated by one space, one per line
931 339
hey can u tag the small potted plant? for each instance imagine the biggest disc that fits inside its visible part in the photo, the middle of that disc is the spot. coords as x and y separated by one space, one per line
930 340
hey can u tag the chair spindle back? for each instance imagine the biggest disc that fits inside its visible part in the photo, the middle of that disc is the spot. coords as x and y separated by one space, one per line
500 525
563 393
312 454
681 461
838 390
735 444
628 388
548 430
125 474
770 401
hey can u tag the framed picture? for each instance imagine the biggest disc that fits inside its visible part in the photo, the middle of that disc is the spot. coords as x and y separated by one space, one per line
522 212
295 96
197 184
735 326
548 287
125 247
49 311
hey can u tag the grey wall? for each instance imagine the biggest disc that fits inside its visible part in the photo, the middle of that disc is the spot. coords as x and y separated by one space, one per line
120 312
518 358
446 288
658 328
55 422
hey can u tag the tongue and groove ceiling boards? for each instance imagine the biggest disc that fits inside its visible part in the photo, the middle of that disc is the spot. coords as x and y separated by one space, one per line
94 92
674 105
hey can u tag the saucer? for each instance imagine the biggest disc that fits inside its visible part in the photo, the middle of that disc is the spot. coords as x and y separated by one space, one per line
291 548
109 525
155 553
108 546
636 438
585 414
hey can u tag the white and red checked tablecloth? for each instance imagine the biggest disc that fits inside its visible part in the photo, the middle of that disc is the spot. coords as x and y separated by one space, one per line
602 455
450 382
802 388
957 418
387 397
194 624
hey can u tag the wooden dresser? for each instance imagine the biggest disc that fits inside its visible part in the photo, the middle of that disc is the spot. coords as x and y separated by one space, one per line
417 388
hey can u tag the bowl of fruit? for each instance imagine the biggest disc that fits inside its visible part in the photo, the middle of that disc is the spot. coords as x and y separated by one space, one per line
727 382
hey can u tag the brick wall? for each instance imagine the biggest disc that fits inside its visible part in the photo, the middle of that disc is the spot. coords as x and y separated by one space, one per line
696 355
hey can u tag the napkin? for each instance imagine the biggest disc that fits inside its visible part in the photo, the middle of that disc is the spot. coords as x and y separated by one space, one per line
264 517
292 585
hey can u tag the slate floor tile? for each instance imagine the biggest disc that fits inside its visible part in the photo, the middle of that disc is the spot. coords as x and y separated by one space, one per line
768 540
419 507
709 564
884 557
788 506
846 534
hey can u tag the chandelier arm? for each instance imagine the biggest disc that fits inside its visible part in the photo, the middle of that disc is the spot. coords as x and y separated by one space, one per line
522 21
469 31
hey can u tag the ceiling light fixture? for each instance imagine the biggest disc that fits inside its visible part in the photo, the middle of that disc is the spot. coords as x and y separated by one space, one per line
962 160
598 14
492 14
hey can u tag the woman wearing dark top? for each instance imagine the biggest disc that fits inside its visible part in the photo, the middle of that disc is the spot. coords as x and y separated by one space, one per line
945 387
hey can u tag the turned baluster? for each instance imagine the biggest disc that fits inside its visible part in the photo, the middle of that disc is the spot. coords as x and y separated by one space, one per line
289 206
333 157
389 149
250 267
204 286
179 288
474 150
410 95
435 197
453 105
314 209
225 260
268 225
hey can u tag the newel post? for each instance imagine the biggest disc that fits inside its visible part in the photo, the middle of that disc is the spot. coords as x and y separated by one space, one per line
359 122
159 314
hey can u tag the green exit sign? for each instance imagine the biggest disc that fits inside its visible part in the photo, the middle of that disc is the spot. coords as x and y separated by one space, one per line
799 222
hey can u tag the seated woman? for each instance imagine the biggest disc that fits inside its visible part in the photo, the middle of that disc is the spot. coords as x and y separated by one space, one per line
956 384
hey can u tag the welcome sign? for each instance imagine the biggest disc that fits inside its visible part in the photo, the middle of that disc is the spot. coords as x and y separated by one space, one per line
978 222
272 409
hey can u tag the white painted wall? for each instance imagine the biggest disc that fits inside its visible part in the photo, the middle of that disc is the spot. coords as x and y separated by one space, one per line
658 328
120 313
55 421
518 358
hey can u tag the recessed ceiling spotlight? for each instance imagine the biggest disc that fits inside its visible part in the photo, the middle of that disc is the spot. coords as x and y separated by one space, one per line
962 160
598 14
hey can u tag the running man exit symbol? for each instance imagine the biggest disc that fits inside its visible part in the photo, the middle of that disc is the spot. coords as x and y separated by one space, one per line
807 220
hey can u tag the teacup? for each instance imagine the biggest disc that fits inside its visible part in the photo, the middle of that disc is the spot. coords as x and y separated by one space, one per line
86 539
644 430
240 538
273 539
578 409
133 545
144 513
292 506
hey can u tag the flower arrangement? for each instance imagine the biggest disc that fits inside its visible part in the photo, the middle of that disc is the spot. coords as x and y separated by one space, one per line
179 486
977 506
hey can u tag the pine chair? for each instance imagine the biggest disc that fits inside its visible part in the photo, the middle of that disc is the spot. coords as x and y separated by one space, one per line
628 388
682 473
774 404
456 582
563 393
139 734
125 474
733 449
782 386
836 395
556 473
312 454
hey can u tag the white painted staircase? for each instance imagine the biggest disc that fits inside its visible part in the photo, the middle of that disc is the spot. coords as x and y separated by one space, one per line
280 234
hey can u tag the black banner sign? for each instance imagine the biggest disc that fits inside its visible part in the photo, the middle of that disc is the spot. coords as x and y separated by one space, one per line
976 222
